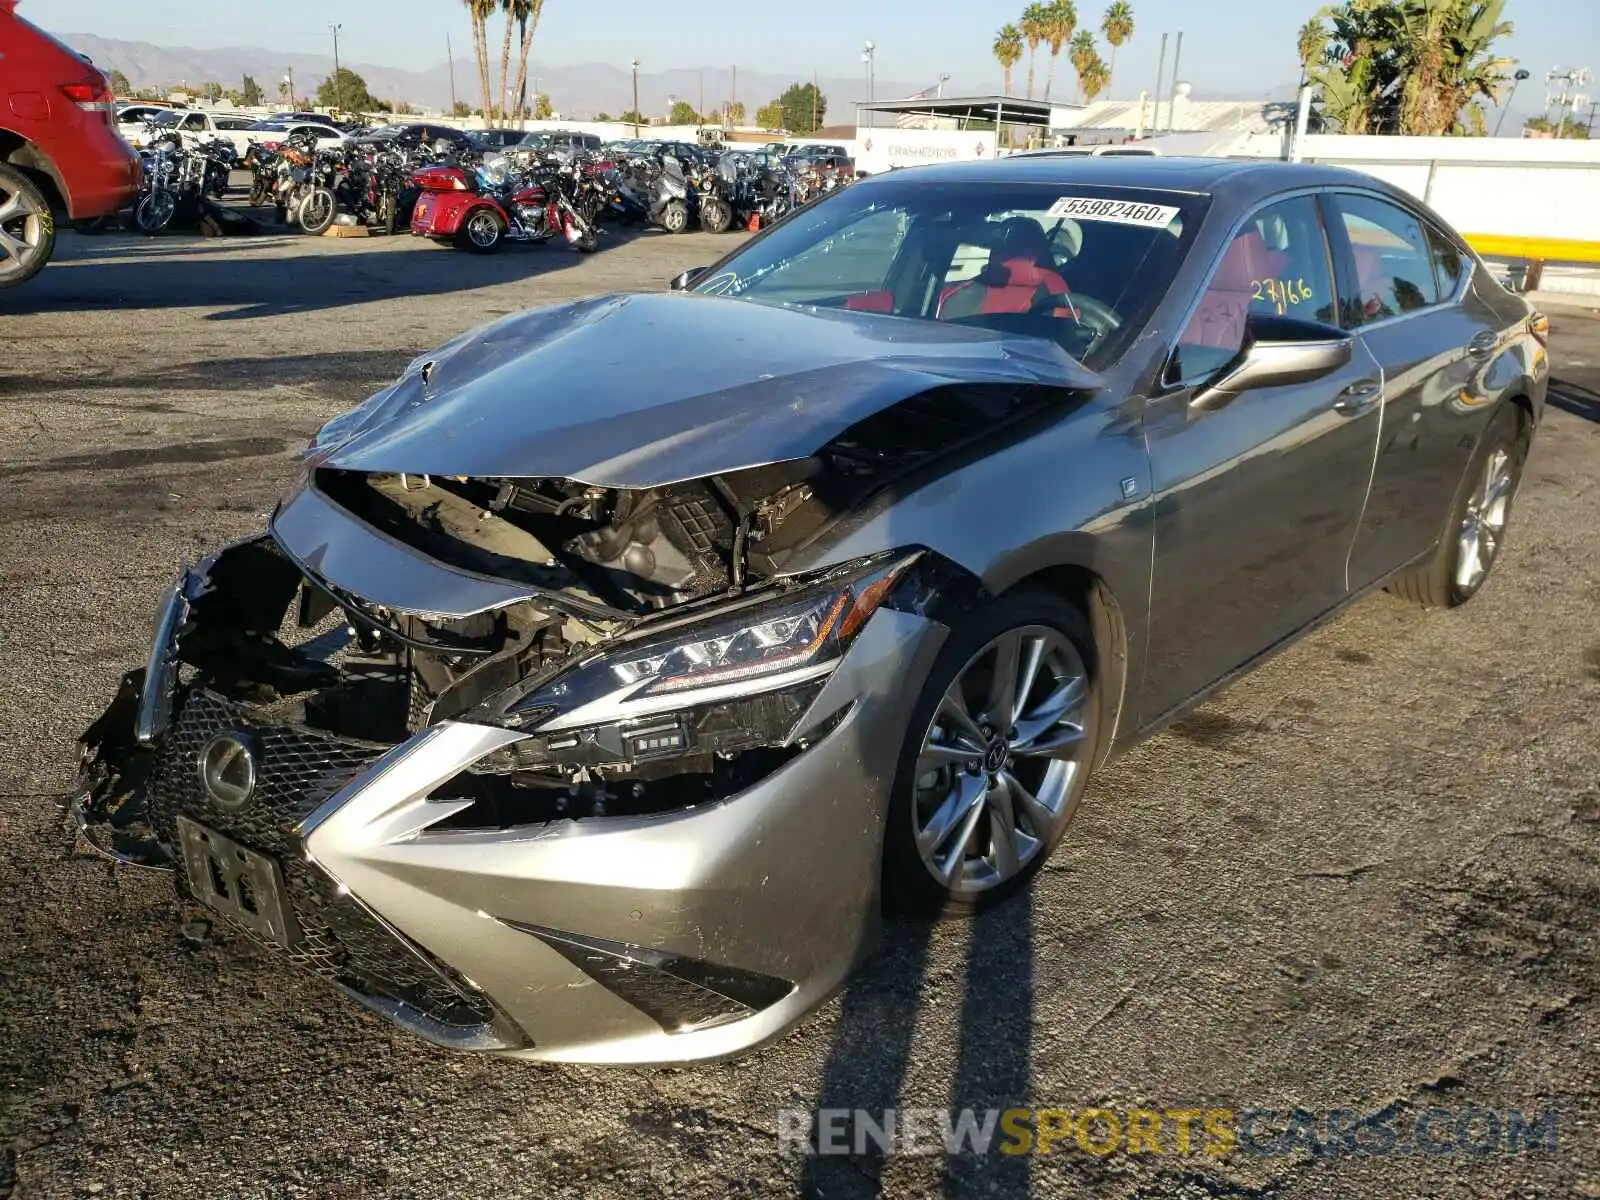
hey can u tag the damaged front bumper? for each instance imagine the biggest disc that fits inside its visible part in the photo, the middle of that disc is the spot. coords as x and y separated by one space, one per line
603 926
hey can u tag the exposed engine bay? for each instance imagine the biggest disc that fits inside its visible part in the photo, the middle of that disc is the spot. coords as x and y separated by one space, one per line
601 566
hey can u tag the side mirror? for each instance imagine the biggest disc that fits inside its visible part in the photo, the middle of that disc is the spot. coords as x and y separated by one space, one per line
685 281
1278 351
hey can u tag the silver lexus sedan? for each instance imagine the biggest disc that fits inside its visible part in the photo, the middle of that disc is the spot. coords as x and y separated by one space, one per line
605 677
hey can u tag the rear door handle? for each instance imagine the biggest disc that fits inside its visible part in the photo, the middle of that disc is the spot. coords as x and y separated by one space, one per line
1358 397
1483 344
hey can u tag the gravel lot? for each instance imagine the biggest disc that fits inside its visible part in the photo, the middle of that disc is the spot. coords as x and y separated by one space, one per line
1367 874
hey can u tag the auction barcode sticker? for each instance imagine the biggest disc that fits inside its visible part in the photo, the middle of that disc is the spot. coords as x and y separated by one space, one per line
1123 212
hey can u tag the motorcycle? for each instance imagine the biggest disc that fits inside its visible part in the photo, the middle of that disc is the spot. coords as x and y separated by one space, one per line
476 209
176 179
318 206
674 205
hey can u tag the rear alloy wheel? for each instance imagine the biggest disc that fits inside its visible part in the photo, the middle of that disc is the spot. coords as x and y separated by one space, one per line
481 233
1477 528
997 757
675 216
27 228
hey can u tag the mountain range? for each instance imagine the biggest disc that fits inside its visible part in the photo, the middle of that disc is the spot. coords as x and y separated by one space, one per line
579 90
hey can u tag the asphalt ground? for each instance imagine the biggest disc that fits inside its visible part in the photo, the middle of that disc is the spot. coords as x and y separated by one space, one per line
1366 876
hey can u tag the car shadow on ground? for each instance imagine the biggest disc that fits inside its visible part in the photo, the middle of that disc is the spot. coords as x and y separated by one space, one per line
116 271
877 1035
1576 399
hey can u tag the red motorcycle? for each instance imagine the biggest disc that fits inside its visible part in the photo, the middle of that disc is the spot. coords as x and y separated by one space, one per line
477 209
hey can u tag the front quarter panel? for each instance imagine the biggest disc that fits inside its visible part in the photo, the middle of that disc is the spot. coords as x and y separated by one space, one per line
1074 494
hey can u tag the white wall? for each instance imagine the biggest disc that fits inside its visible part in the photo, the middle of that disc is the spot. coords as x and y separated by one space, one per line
881 149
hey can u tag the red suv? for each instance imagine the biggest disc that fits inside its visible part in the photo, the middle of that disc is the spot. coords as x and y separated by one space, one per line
59 148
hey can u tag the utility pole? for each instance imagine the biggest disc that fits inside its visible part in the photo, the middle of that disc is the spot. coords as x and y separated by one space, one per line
451 55
1172 104
288 73
338 85
813 99
636 98
700 112
1161 70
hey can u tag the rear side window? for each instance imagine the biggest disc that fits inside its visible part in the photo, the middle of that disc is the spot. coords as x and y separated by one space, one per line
1394 263
1448 263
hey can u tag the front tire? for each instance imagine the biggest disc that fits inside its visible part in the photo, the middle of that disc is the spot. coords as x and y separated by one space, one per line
155 212
675 216
1476 531
996 757
716 215
317 211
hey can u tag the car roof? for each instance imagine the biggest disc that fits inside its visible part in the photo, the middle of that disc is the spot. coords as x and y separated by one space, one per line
1169 173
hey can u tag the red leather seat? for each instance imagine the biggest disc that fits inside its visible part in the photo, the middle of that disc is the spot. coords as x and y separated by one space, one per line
1013 281
1219 321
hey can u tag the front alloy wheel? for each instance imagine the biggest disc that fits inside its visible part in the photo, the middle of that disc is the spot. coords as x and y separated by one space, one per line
27 229
997 756
999 759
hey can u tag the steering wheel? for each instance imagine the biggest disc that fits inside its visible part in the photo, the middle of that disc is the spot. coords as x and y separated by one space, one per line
1100 318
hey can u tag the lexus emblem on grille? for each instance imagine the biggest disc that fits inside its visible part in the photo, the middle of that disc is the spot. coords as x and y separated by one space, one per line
228 768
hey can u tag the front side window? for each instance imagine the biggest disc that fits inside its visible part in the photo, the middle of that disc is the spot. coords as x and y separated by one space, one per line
1276 265
193 122
1080 265
1394 265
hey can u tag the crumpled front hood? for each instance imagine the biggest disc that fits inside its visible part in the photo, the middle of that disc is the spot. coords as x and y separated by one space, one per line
642 390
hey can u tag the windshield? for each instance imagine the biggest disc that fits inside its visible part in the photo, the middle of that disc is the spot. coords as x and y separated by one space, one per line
167 116
1082 266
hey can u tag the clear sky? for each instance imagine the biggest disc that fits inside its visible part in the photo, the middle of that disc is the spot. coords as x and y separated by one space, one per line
1232 48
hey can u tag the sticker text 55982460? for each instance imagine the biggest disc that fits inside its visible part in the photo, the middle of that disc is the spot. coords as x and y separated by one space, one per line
1122 212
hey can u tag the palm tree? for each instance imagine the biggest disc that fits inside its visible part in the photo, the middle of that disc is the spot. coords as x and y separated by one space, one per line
1082 55
1117 25
1094 79
1409 66
1309 44
1034 24
527 12
1008 51
480 11
1061 19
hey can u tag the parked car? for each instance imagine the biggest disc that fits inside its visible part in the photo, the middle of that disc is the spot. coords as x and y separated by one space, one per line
570 715
416 134
562 139
494 139
60 156
193 126
131 118
271 133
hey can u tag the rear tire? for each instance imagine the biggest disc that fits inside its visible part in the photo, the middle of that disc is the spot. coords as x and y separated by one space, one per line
1479 516
1000 770
481 232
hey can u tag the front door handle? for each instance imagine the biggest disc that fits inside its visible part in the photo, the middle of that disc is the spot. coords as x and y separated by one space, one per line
1358 397
1483 344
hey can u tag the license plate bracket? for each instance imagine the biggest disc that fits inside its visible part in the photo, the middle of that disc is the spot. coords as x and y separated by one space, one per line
242 884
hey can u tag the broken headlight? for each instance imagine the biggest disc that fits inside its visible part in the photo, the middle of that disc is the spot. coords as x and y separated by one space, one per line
791 639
